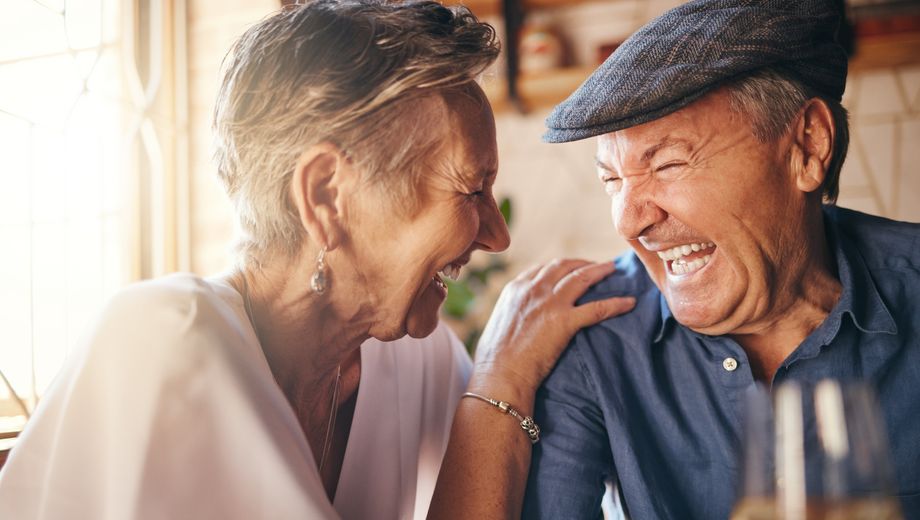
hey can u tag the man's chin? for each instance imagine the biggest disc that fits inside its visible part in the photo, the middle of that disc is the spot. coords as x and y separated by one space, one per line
708 323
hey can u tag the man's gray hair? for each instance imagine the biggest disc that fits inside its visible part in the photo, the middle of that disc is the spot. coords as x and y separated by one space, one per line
348 72
772 100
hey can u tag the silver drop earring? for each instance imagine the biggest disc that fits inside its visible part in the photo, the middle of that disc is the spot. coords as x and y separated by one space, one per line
320 281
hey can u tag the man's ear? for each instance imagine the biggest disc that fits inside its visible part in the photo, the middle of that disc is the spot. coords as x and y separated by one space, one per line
814 139
315 187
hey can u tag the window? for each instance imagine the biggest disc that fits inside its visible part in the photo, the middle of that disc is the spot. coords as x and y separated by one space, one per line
90 171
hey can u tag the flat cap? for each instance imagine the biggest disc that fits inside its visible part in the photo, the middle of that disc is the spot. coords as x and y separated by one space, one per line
694 48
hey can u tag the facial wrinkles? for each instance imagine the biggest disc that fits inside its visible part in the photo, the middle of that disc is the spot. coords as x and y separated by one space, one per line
641 174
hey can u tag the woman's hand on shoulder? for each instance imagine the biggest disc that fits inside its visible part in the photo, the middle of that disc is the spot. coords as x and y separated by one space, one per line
533 321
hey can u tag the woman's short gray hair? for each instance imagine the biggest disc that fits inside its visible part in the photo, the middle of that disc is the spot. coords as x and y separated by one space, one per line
347 72
772 100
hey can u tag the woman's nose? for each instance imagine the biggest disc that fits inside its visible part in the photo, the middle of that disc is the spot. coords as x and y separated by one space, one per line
493 230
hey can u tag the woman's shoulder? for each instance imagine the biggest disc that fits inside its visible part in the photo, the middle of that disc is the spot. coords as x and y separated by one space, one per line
173 332
174 294
164 317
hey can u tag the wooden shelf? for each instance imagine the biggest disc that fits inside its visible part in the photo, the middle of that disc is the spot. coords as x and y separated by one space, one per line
895 50
546 89
549 88
480 8
494 7
538 90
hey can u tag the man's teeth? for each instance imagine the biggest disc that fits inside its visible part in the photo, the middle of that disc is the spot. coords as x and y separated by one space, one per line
451 271
681 266
678 252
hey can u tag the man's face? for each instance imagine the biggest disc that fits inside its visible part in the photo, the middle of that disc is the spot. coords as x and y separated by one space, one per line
713 213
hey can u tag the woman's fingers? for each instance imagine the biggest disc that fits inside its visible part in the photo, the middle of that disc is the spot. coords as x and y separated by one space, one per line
573 285
588 314
529 273
535 318
551 273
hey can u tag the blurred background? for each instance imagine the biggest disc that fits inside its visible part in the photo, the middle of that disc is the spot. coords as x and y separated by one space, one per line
105 152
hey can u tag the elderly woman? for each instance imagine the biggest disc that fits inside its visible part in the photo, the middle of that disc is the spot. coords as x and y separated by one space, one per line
360 155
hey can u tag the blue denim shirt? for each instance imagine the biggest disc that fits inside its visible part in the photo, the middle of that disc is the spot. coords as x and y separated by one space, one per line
644 402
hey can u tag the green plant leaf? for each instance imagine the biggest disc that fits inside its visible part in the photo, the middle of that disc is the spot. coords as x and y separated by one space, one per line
459 299
505 207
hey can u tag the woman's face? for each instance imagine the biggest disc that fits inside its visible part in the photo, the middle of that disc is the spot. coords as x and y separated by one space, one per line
411 252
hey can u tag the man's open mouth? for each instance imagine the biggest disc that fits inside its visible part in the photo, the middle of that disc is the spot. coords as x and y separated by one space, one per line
687 258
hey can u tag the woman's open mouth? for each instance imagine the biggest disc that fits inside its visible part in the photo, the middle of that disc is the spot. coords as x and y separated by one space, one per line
687 258
450 271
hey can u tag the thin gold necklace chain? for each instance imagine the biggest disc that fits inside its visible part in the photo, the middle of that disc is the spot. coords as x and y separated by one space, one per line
330 426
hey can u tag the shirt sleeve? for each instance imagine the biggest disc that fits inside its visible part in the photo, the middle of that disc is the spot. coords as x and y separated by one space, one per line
572 462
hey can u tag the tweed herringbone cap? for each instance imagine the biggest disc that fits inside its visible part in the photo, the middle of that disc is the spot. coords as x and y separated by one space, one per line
692 49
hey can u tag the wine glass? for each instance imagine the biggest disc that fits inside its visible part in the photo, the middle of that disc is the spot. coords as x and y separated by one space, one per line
815 452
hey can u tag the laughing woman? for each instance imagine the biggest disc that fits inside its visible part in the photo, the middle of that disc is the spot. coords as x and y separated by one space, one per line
360 156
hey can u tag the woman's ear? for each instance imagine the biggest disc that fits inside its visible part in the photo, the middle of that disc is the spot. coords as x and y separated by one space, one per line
315 186
814 137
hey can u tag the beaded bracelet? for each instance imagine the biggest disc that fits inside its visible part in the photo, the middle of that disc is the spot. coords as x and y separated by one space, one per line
527 424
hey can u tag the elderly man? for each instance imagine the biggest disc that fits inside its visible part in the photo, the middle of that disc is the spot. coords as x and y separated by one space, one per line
720 138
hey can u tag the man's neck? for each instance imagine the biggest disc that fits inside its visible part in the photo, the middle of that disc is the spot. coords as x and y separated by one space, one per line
770 346
804 304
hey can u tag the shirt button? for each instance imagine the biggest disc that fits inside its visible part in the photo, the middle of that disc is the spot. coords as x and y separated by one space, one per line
730 364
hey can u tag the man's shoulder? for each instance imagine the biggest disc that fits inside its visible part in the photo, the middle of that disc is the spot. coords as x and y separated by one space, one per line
882 242
634 328
629 279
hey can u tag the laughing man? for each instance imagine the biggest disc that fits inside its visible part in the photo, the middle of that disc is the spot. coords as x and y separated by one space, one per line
720 138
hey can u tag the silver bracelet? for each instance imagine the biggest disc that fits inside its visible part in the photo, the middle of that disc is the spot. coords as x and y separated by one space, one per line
527 424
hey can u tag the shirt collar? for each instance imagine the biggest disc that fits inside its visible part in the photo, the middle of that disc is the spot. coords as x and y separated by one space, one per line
666 317
859 297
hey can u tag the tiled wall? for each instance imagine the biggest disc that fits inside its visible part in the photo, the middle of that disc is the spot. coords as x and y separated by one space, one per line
560 208
882 173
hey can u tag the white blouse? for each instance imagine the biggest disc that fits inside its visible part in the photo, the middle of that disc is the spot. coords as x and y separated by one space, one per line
169 410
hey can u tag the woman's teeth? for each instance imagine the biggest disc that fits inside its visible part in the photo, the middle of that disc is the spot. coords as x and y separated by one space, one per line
679 264
451 271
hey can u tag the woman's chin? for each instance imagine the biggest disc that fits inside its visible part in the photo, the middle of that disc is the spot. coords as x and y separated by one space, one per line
421 324
417 323
424 312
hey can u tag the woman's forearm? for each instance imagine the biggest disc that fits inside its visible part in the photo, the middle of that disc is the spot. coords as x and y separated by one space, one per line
484 473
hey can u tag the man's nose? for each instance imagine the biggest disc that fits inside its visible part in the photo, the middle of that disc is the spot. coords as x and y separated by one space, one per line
635 210
493 231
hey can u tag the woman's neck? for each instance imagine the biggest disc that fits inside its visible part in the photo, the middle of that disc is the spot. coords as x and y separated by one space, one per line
303 335
313 353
